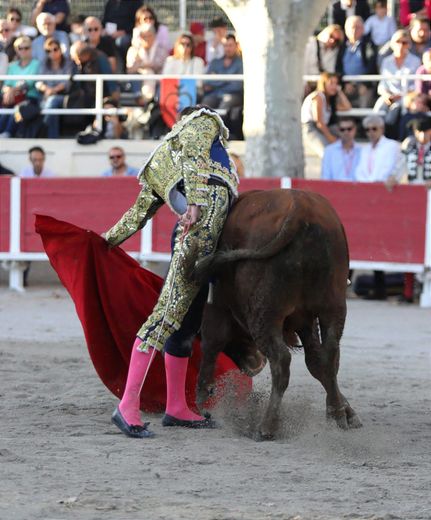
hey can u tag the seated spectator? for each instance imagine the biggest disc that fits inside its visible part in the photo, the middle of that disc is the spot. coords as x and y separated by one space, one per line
14 91
54 91
357 57
417 105
411 9
321 53
215 43
392 91
416 150
420 34
4 63
341 158
46 25
103 43
118 20
225 94
119 167
145 56
197 30
77 28
14 17
318 112
7 39
424 85
37 167
380 27
113 124
58 8
146 15
183 61
345 8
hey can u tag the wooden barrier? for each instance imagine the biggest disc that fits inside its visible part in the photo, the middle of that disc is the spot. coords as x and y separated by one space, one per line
388 231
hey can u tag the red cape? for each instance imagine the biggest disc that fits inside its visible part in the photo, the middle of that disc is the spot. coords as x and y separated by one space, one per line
113 296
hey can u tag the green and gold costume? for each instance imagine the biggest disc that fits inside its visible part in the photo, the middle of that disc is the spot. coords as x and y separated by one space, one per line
178 173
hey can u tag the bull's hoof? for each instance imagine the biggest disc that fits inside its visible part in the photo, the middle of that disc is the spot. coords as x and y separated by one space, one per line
345 416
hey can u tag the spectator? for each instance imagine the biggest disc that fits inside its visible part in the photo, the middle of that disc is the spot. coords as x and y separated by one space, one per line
146 15
37 167
146 56
411 9
14 17
118 20
424 85
416 150
119 167
103 43
197 30
225 94
183 60
417 107
4 63
322 50
7 39
341 158
391 91
46 25
58 8
380 27
420 35
5 171
14 91
345 8
215 44
77 28
319 111
380 161
54 91
357 57
113 127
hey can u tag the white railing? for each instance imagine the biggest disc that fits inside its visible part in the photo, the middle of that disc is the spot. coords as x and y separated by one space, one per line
98 111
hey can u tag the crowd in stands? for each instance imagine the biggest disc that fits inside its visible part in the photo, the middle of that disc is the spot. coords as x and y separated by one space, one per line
128 38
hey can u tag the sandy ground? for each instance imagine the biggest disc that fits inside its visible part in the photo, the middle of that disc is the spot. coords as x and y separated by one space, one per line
60 458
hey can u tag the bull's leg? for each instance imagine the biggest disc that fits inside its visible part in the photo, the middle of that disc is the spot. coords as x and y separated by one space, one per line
271 343
322 360
217 329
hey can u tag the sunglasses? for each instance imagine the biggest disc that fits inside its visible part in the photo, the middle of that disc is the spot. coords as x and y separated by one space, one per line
148 18
403 43
372 129
4 30
346 128
112 157
55 49
15 19
93 29
186 44
24 48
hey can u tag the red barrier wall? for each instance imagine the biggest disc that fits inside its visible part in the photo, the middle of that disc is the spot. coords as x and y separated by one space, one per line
164 221
91 203
4 213
381 226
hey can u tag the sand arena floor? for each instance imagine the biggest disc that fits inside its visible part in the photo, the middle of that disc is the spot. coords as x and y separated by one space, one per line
60 457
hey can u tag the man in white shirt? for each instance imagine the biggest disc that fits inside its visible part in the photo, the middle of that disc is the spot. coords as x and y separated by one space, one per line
37 168
381 159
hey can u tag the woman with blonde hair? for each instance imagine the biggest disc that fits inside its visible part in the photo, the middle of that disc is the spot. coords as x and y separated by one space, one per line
319 110
183 60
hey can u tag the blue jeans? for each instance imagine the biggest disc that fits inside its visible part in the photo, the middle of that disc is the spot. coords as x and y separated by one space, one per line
52 122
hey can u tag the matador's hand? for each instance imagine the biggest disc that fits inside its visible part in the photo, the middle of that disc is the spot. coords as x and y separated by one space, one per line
190 217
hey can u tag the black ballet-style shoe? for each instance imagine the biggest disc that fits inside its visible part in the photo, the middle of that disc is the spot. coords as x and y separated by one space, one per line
135 431
207 423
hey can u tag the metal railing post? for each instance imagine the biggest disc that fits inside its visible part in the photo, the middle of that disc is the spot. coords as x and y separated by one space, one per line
183 14
99 102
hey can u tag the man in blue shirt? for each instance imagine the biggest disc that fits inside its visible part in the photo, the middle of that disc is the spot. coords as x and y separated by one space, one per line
46 26
225 94
119 168
341 158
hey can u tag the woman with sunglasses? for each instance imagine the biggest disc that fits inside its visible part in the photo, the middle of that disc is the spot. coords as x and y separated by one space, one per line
319 111
15 91
14 17
145 14
53 91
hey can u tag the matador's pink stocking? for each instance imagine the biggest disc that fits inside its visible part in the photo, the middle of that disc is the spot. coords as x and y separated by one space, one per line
129 405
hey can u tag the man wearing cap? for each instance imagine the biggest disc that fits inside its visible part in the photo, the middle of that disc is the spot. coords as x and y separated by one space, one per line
198 33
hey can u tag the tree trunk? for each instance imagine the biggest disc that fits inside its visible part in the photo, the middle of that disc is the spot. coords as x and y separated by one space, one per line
273 34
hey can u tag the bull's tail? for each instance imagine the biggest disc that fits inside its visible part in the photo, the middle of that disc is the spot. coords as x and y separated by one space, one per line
210 265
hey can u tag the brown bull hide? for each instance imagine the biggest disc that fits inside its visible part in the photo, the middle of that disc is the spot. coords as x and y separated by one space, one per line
282 267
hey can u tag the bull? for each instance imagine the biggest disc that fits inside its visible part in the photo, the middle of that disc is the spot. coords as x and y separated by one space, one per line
281 271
